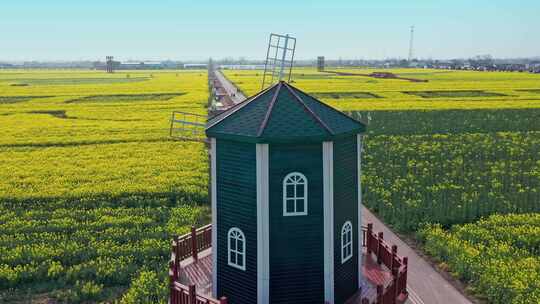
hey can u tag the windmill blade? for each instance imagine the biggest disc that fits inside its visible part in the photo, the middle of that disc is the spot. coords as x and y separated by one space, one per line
188 126
279 59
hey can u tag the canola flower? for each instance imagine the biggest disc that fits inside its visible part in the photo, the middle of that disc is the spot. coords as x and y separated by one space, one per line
92 189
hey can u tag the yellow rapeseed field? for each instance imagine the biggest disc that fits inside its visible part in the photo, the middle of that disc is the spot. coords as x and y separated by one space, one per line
515 90
92 189
72 144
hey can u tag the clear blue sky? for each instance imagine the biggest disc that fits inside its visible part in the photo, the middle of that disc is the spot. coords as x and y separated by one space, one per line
178 29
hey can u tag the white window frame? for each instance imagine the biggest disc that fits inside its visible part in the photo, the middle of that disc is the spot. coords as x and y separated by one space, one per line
287 181
236 235
346 243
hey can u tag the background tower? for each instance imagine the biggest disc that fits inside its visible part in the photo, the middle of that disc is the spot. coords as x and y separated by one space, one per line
320 63
110 68
411 44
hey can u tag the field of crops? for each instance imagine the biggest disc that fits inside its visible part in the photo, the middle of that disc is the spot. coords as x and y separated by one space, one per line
499 256
444 89
91 187
450 151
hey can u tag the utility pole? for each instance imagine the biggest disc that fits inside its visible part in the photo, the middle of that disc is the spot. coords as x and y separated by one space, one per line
411 44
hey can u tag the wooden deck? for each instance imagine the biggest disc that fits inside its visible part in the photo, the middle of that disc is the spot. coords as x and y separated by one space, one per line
200 274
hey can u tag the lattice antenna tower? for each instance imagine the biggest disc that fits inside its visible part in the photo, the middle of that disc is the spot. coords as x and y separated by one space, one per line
279 59
411 44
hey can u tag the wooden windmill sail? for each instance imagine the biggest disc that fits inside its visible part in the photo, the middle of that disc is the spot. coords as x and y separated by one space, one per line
277 67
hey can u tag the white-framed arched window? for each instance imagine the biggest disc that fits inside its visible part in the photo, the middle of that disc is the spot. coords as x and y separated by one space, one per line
346 242
236 248
295 194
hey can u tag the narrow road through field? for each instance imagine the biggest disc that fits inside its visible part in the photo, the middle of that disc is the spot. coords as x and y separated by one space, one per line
425 285
231 89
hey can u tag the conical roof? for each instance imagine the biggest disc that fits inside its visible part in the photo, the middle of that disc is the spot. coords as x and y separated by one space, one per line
282 114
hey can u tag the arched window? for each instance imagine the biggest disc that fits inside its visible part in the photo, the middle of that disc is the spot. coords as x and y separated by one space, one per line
236 249
346 242
295 194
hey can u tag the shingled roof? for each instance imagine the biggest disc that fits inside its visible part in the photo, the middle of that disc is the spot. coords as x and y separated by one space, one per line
282 113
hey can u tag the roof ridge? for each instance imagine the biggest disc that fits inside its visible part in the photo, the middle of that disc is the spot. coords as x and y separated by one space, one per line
315 116
269 111
330 107
237 107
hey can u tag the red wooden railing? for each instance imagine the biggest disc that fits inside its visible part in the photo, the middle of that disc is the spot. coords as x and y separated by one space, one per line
190 245
386 255
183 247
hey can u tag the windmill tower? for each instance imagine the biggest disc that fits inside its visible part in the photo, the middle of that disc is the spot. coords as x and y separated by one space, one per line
411 41
285 193
285 200
286 206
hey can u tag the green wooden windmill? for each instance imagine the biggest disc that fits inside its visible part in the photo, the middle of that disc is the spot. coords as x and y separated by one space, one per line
286 203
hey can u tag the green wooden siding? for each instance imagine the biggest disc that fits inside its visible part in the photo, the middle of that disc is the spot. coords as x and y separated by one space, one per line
296 242
345 209
237 207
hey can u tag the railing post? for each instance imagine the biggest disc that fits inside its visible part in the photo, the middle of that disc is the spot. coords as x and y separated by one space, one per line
369 234
194 243
379 247
174 271
393 266
192 295
176 248
172 279
380 294
406 267
223 300
172 124
396 287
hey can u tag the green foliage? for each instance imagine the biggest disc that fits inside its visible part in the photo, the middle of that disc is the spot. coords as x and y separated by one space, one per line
82 250
449 121
126 97
338 95
450 178
82 291
16 99
497 256
453 94
147 287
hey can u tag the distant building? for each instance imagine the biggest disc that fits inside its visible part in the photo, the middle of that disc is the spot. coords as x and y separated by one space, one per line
242 66
195 66
143 65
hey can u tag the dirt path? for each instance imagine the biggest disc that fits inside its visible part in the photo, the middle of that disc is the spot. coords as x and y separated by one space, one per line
425 285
